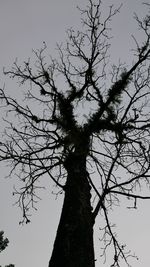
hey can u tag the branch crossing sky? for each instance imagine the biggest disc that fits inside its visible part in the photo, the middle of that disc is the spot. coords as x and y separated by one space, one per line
24 25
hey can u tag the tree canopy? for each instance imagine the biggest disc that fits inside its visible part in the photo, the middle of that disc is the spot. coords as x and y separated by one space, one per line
82 109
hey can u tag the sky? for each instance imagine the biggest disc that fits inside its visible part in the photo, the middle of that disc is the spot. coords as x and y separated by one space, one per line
24 25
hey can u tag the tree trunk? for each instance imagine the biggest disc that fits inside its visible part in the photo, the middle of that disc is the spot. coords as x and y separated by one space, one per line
73 245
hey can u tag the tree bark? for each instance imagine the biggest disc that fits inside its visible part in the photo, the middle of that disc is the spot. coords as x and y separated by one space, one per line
73 246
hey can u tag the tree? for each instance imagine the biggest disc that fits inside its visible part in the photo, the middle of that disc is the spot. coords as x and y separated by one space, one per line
3 242
90 134
3 245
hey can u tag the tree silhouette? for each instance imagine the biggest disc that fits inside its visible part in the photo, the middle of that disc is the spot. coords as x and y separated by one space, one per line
3 241
3 244
85 127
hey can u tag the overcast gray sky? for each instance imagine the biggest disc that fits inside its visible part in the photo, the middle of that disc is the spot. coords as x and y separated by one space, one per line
24 25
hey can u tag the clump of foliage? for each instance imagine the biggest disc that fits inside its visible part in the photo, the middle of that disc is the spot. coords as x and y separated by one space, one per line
3 244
